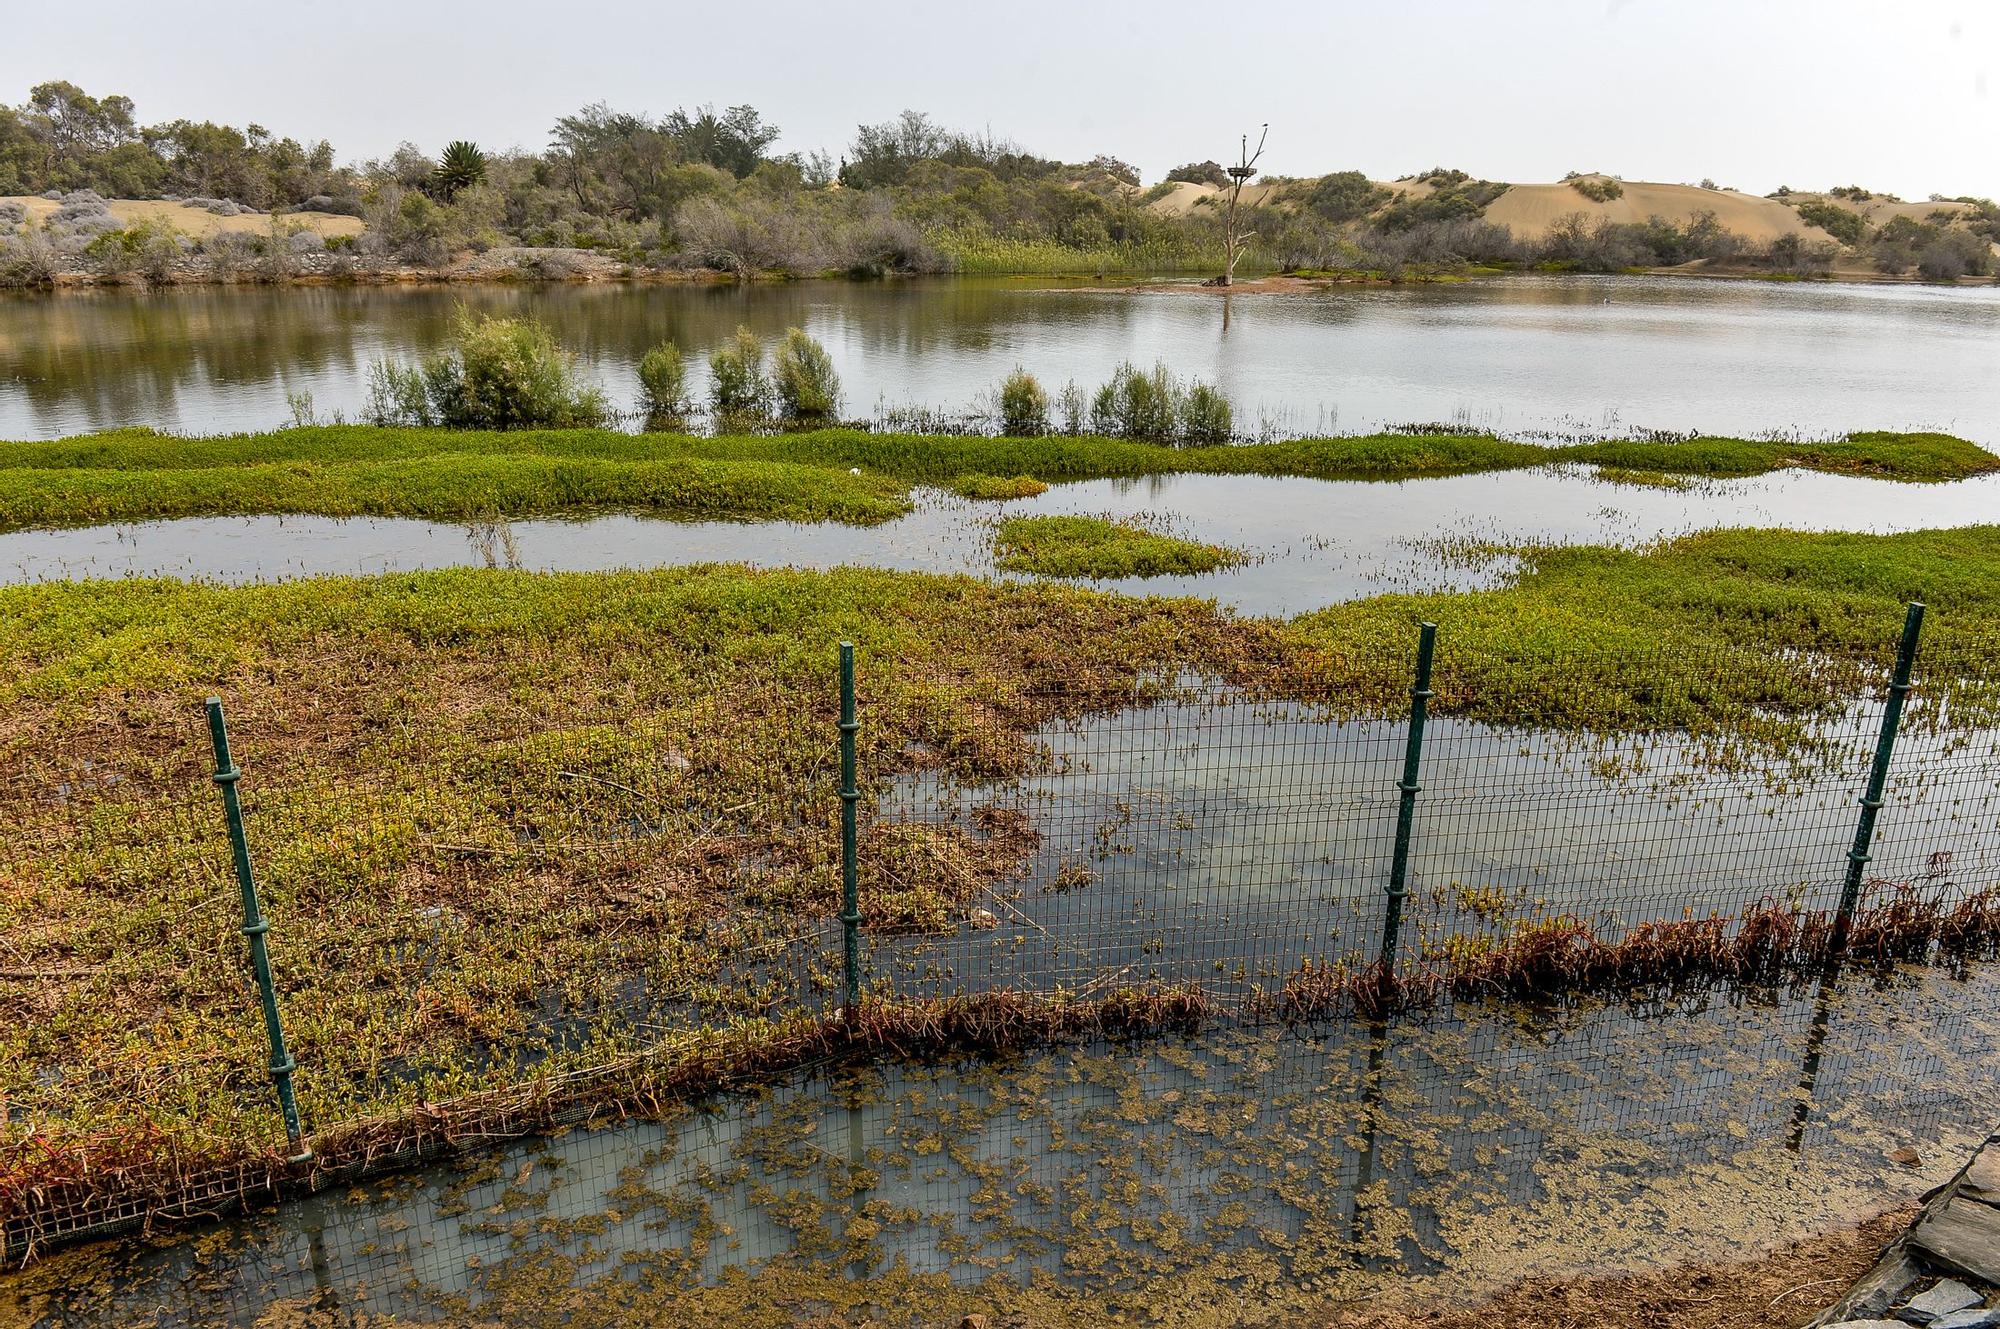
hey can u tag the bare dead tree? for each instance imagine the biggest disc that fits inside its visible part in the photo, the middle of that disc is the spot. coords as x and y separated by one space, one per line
1239 175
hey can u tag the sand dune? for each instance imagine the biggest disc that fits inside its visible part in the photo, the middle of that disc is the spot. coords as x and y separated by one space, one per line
1185 196
199 222
1530 210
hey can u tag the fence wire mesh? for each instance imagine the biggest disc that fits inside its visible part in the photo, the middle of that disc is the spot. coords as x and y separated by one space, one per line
1273 1167
532 893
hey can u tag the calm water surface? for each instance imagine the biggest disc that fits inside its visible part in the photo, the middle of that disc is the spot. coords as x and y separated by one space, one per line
1311 543
1523 355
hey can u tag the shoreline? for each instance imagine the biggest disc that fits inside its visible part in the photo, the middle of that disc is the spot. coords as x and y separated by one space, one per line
522 266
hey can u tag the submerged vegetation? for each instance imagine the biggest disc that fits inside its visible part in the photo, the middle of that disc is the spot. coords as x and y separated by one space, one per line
1096 547
532 793
335 470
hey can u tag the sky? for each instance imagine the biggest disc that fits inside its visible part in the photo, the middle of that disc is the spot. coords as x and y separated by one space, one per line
1900 96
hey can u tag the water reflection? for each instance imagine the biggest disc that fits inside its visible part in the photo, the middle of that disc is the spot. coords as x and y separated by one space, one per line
1224 843
1311 543
1521 354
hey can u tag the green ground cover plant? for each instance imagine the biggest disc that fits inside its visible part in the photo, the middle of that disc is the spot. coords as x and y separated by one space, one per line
1097 547
448 474
997 488
461 486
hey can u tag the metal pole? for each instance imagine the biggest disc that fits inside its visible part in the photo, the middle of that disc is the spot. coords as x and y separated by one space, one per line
1406 811
254 928
850 894
1878 775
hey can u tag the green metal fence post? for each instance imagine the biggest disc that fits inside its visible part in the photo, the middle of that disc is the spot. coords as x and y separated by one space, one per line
254 928
1878 775
850 891
1406 811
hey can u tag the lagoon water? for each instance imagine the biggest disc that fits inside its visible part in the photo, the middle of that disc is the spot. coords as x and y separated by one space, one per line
1524 355
1310 543
1293 1167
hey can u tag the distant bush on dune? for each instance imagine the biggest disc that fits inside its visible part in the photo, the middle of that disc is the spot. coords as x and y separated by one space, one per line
1200 173
1346 196
1843 224
1453 196
1596 188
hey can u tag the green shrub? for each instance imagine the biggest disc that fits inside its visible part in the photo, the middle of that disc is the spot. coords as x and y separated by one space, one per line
1158 408
1346 196
500 373
1843 224
663 382
1596 188
1024 407
736 387
807 386
1071 403
396 395
1135 404
1205 415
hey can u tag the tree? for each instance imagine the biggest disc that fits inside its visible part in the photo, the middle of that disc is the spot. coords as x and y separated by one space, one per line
1200 173
461 166
1346 196
734 141
612 161
77 123
1123 172
1239 175
883 154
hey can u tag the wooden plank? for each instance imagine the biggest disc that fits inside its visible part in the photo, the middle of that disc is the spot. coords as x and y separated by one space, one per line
1964 1234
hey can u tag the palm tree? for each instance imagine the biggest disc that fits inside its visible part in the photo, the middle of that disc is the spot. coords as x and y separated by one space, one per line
462 166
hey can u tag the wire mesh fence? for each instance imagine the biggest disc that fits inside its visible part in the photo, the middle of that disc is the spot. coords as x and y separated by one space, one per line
484 921
1278 1169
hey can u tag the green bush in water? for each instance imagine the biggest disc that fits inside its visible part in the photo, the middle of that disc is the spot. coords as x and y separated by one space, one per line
736 387
807 385
1205 415
500 373
1024 407
1135 404
1158 408
663 382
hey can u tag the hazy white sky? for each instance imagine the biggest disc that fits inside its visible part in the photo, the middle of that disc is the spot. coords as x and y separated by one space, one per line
1897 95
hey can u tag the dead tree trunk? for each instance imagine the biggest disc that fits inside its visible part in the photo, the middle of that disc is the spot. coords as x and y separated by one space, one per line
1239 175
